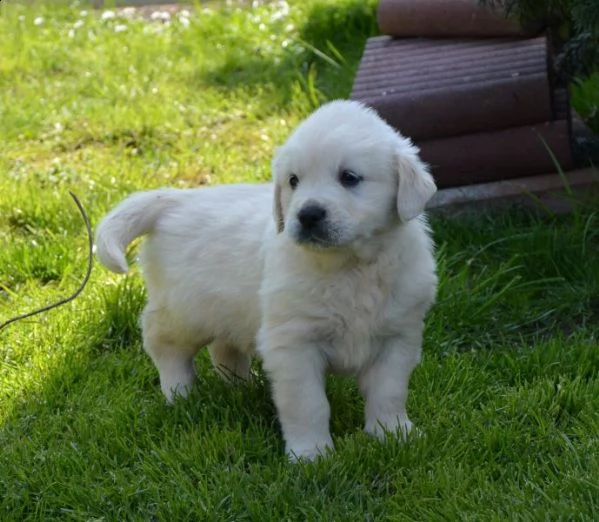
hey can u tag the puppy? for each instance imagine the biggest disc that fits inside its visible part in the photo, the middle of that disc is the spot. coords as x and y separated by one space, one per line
330 269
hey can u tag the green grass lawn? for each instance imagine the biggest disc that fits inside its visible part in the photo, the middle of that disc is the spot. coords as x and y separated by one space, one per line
508 392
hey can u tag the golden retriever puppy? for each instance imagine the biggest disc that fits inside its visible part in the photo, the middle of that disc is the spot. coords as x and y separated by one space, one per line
329 269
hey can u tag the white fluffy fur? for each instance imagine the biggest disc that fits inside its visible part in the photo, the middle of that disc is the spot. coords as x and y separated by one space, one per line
222 271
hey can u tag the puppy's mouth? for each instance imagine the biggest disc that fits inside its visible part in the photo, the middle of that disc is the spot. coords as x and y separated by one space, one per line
312 228
320 237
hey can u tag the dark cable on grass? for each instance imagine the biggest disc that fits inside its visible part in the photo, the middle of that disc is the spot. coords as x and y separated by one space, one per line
90 262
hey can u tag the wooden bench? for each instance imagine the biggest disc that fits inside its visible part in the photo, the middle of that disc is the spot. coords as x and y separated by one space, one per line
474 90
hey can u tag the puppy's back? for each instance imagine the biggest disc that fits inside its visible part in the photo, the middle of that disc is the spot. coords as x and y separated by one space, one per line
204 258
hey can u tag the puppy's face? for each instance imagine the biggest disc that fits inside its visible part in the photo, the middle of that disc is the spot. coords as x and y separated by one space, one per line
344 175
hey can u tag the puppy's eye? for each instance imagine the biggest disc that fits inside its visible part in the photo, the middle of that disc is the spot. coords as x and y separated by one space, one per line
349 179
293 181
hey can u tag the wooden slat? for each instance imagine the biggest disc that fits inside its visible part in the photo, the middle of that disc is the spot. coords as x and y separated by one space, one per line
490 156
447 18
445 87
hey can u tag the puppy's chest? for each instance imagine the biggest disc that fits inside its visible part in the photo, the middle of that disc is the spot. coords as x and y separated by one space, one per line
350 312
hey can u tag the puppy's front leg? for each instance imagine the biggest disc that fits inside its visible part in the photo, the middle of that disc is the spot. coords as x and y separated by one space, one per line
385 386
297 374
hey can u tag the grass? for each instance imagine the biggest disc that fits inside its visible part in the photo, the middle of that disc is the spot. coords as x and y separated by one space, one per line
586 98
508 391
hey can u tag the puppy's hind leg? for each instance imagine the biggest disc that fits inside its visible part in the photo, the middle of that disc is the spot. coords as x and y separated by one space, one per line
171 353
228 361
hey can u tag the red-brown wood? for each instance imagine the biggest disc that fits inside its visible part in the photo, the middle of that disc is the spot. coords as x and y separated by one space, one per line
435 88
505 154
447 18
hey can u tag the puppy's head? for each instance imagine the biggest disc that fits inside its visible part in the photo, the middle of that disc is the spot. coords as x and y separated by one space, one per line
345 175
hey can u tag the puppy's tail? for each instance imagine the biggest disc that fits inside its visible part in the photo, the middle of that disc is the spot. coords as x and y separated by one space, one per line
134 217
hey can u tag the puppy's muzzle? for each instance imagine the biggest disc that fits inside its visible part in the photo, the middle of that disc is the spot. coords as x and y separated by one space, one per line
313 224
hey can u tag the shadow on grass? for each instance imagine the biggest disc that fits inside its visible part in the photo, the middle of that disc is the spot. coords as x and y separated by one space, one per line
518 287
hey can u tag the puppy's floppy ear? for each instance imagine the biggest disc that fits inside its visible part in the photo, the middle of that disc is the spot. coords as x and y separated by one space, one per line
278 166
416 185
278 210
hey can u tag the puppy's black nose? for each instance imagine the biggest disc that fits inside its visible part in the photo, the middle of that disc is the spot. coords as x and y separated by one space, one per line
311 215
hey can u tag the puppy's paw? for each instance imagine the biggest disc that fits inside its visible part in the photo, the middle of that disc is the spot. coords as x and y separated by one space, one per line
309 453
177 393
396 427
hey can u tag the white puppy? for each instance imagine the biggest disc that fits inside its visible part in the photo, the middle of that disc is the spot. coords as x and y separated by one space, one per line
340 279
